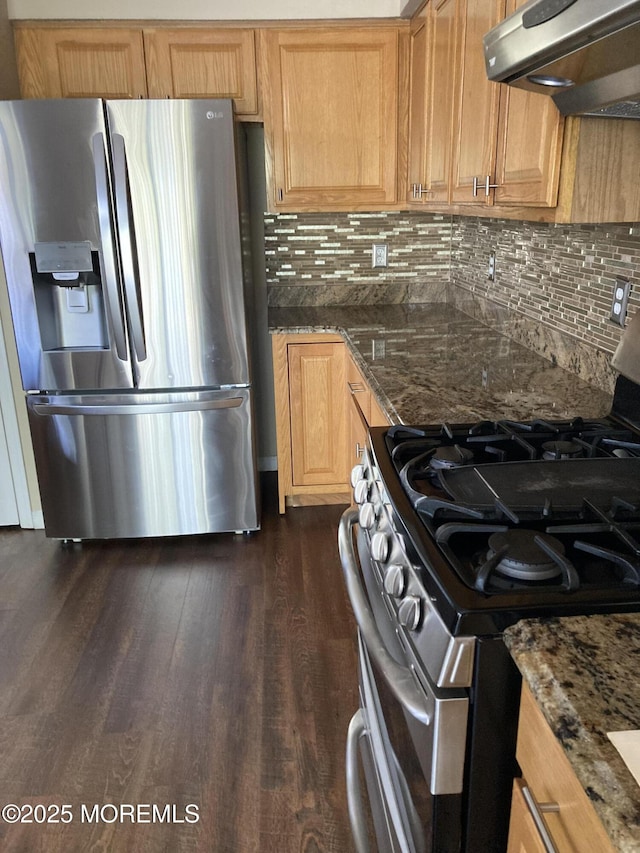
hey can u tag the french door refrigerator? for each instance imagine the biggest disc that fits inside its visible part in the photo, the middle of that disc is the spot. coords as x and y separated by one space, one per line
122 235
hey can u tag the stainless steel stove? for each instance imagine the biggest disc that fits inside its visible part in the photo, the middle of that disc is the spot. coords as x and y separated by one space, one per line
461 530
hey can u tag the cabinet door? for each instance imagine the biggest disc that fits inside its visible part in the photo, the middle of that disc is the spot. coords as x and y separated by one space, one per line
331 114
529 146
199 63
441 53
476 121
318 413
77 62
418 40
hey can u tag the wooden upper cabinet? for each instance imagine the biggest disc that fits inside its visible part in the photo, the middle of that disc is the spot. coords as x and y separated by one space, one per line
476 125
441 62
472 141
417 160
529 152
508 142
331 117
431 99
197 62
77 62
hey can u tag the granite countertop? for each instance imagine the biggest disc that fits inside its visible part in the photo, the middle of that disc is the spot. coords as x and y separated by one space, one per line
431 363
583 672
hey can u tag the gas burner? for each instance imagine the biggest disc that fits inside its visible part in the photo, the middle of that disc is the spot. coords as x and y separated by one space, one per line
562 449
524 558
450 456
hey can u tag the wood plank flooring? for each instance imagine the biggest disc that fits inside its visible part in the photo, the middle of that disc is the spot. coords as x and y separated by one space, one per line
218 671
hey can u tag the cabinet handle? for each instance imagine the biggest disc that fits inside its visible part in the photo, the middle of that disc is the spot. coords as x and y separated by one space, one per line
418 191
359 450
477 182
537 811
356 387
280 194
489 186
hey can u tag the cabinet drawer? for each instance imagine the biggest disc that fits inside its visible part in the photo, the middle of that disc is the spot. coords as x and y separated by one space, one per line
549 776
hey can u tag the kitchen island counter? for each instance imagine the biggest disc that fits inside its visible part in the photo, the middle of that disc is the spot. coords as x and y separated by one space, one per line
583 673
431 363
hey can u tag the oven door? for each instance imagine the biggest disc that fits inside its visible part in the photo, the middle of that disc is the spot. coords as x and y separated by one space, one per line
415 733
374 824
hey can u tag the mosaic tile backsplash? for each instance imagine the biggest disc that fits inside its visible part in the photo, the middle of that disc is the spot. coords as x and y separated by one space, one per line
552 290
326 259
562 275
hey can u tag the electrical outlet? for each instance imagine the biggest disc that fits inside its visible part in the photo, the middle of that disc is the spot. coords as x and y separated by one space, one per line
621 290
491 272
378 348
379 255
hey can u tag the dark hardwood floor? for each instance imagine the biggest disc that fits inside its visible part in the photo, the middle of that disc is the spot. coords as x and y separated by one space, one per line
218 671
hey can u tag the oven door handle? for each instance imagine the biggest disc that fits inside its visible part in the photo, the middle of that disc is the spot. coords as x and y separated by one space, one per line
357 729
400 679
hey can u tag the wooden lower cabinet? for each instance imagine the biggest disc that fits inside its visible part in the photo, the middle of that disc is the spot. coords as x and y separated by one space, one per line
554 792
363 411
318 422
323 408
359 406
311 419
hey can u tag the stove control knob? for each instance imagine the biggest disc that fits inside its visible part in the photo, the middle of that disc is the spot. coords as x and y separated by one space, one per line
367 515
379 546
409 612
395 581
357 474
361 492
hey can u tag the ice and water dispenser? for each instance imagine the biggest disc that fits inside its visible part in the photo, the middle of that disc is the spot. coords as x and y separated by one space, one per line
68 294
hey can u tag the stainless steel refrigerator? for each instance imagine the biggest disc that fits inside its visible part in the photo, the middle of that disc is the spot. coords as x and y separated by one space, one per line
122 234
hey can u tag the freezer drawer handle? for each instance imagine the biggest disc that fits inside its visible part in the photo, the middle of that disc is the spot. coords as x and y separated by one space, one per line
137 408
399 678
108 256
357 729
125 229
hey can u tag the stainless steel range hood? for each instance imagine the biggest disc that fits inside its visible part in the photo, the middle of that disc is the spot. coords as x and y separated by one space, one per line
584 53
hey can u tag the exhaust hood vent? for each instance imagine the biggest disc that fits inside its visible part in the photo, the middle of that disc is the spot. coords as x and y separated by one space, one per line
585 54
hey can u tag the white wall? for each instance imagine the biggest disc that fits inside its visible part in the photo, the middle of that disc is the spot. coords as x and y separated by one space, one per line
208 10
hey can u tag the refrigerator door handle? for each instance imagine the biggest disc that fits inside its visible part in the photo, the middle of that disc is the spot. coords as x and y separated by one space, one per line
136 408
127 254
108 254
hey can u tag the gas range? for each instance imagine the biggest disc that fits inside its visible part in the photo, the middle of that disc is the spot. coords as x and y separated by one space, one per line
461 530
500 520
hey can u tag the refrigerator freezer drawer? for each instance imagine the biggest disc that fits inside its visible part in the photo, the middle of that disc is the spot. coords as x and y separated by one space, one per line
138 465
